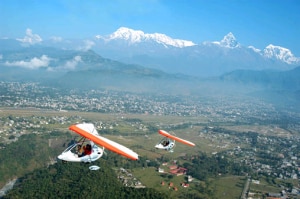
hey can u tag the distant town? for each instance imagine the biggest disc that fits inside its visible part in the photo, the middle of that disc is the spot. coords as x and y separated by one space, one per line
221 108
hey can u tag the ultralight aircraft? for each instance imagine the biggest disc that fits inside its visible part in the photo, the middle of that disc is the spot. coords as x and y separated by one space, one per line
168 142
92 152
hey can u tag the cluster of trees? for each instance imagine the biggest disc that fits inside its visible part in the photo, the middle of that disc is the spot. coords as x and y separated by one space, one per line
203 166
75 180
27 153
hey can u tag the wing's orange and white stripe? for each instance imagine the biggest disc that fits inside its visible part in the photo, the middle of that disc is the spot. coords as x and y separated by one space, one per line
89 131
168 135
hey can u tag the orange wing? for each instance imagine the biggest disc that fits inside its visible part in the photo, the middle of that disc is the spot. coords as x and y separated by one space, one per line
106 143
164 133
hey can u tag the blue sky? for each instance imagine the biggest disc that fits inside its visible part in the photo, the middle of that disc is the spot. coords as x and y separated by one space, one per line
253 22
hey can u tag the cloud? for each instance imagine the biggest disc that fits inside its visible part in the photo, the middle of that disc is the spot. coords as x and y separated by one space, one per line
88 44
30 38
34 63
56 39
1 56
71 65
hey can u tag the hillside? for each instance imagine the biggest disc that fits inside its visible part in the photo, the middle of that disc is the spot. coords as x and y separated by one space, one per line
29 152
281 88
76 181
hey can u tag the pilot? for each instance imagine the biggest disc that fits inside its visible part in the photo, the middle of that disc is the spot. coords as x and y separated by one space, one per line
87 150
165 143
79 149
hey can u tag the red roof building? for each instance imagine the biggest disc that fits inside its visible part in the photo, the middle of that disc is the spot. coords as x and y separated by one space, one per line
178 171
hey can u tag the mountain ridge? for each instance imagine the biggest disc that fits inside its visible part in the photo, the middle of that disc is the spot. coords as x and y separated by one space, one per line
287 80
229 41
156 51
137 36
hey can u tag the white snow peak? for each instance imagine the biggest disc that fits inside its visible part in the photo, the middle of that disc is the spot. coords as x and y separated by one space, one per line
280 53
229 41
255 49
138 36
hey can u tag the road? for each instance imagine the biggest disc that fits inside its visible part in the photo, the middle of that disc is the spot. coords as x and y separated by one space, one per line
246 188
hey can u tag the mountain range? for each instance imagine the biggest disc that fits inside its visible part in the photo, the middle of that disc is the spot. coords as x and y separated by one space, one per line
180 56
87 69
157 51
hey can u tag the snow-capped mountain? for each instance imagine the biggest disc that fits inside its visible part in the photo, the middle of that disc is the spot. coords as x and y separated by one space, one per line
162 52
181 56
138 36
229 41
280 53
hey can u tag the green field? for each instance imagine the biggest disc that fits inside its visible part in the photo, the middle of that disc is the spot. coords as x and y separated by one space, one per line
229 186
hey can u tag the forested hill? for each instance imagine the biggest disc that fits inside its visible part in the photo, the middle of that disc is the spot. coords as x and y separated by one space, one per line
73 180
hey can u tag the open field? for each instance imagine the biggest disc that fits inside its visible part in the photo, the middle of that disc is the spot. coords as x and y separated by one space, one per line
265 130
171 120
229 186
